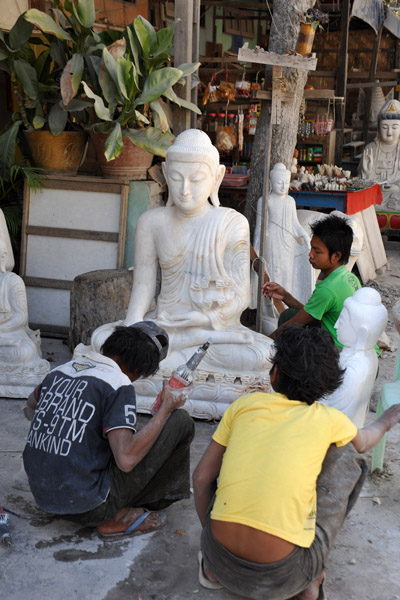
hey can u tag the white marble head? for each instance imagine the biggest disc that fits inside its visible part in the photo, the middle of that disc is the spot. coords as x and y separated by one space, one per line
192 168
279 179
362 320
389 122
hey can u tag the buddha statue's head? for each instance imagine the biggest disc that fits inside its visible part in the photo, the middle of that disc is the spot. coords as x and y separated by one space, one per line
362 320
389 122
192 171
279 178
3 256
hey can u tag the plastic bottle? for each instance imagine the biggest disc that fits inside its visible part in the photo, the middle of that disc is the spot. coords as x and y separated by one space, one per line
183 375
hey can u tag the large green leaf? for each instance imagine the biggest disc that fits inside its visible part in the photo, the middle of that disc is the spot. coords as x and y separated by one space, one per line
57 119
111 66
7 145
157 83
188 68
20 33
26 74
123 67
42 65
170 94
151 139
71 78
108 87
114 143
159 116
45 23
101 111
146 35
134 49
165 38
3 55
57 53
86 13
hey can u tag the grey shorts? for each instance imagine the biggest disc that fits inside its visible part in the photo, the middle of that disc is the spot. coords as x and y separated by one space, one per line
338 486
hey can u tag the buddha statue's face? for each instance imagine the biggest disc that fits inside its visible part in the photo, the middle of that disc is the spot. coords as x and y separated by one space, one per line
345 328
389 131
280 182
189 185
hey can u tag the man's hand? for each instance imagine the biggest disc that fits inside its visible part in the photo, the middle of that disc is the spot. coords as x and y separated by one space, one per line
171 399
274 290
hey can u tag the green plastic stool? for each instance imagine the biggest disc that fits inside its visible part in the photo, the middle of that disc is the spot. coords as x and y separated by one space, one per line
389 395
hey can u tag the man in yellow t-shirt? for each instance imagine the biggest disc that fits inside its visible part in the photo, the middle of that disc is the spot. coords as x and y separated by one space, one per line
279 477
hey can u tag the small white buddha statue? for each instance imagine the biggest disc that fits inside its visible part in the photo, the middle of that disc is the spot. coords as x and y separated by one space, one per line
288 243
21 366
203 252
361 322
380 160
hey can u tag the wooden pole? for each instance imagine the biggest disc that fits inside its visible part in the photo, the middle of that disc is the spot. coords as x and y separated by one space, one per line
195 56
183 54
372 72
341 81
264 219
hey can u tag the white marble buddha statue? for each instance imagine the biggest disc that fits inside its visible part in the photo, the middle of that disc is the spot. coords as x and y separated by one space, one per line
21 366
203 252
381 158
288 243
361 322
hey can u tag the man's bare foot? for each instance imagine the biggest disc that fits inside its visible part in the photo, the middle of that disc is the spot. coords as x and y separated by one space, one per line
123 520
312 591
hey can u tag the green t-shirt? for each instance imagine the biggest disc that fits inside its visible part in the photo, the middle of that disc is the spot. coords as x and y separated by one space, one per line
327 300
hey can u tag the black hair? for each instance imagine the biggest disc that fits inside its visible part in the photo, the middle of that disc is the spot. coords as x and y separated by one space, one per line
135 350
336 234
308 363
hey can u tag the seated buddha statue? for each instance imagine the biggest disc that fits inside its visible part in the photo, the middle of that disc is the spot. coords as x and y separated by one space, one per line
21 366
380 160
202 250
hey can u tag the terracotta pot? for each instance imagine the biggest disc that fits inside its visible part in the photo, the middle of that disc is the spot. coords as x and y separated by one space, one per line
132 163
61 154
305 40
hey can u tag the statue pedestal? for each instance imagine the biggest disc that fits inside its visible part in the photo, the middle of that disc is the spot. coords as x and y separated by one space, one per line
19 381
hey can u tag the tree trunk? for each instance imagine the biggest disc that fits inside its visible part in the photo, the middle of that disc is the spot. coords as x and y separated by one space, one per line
284 31
98 297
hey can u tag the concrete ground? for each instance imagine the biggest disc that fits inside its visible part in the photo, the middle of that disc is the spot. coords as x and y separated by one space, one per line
56 560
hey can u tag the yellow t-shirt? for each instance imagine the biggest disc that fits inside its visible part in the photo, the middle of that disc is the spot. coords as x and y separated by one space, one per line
275 449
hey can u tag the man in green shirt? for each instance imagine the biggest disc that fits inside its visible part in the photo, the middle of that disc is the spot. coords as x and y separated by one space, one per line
330 251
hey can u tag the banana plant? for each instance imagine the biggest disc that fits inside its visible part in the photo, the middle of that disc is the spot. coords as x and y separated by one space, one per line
47 82
133 83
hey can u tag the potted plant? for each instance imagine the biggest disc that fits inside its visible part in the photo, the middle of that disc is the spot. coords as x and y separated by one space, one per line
129 113
46 74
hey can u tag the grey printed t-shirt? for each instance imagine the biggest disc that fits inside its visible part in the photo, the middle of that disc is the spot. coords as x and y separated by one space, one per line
67 455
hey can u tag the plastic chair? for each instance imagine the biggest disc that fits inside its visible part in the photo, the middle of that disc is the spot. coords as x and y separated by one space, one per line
389 395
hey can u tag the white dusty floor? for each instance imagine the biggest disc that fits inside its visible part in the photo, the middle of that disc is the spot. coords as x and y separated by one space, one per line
56 560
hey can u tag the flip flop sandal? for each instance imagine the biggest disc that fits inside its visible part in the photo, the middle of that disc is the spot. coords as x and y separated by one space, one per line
203 579
132 530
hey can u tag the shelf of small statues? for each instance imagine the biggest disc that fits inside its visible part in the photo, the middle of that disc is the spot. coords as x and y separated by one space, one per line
349 201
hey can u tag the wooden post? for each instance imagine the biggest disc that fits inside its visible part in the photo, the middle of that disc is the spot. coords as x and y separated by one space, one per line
372 71
183 54
341 80
195 56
